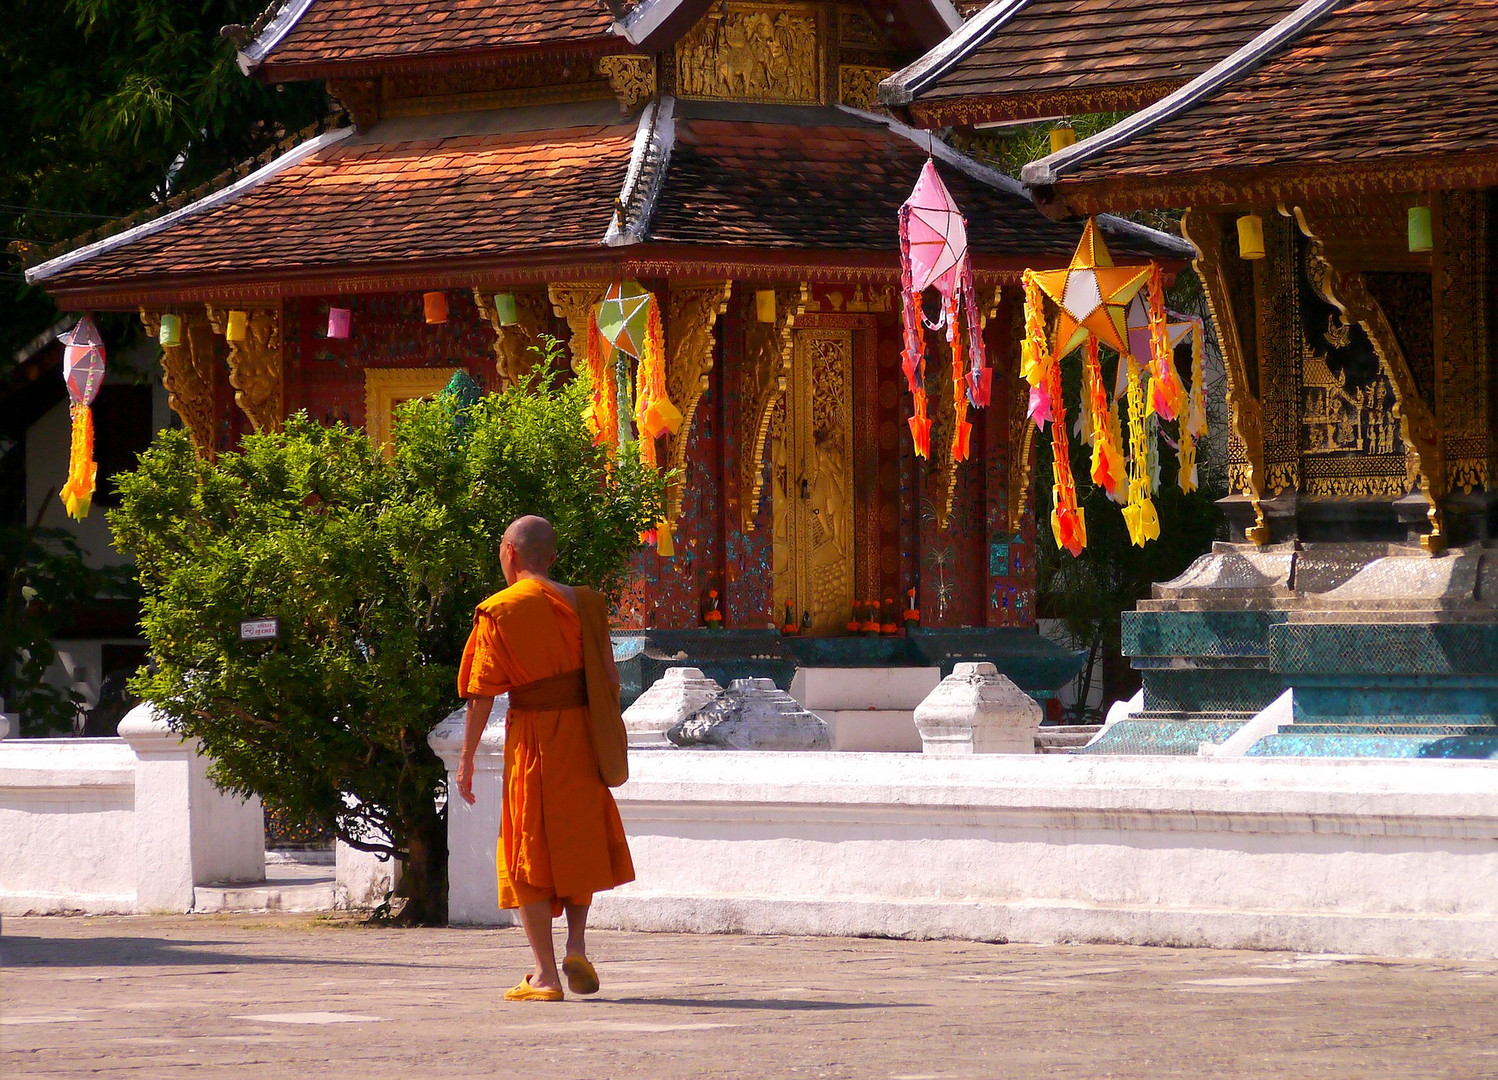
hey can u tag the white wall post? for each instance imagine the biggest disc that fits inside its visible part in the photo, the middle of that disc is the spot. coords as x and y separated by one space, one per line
676 695
473 831
187 831
975 710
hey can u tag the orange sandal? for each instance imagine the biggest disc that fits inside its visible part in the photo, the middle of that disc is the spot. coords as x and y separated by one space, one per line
524 991
581 976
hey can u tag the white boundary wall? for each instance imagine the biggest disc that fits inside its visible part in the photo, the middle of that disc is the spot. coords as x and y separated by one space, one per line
1392 858
118 825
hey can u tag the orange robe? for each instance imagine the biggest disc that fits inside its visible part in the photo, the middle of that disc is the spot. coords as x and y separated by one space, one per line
560 834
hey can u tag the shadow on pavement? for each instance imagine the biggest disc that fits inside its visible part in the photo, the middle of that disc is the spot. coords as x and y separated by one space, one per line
772 1004
24 951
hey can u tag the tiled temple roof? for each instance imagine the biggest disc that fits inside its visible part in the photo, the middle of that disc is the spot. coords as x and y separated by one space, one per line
319 34
536 192
1345 95
1027 59
834 182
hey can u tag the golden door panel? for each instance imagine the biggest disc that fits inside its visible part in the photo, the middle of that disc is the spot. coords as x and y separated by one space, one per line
812 459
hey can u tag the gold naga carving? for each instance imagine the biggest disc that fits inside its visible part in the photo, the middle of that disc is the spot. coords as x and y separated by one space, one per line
692 312
769 349
515 360
188 375
255 366
752 52
574 302
858 86
1245 414
631 77
1349 294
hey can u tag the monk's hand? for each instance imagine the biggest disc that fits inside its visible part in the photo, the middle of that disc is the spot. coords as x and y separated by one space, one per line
465 780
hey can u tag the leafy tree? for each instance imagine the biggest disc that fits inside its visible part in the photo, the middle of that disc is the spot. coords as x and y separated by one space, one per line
373 566
108 107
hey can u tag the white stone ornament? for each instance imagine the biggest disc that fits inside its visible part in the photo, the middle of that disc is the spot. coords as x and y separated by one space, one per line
753 714
975 710
672 698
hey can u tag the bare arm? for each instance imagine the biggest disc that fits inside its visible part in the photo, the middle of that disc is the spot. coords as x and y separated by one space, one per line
477 719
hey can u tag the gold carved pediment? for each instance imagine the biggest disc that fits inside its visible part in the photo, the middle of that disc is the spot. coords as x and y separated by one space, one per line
753 52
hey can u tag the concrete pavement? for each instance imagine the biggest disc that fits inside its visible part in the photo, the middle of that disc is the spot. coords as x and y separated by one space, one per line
305 997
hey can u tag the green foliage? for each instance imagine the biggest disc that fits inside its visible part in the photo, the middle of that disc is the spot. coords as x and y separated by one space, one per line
107 107
42 578
372 565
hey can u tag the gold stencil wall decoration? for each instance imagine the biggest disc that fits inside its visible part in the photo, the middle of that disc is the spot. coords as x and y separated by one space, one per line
1462 298
752 52
515 355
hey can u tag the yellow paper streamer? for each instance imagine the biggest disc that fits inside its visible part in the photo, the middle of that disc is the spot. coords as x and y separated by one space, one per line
78 493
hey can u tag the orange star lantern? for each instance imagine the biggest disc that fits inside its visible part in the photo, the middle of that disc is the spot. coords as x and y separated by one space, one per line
1093 298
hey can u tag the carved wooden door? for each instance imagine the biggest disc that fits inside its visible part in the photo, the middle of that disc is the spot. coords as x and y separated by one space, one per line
812 448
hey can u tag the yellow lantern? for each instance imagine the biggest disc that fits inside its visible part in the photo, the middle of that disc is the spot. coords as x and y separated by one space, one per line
434 304
1062 136
764 305
238 326
171 330
1251 236
1421 234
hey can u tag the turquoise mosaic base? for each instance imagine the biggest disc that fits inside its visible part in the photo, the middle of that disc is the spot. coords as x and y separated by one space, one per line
1293 743
1362 688
1173 737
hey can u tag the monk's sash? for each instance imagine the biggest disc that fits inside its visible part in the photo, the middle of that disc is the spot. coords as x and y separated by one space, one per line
568 690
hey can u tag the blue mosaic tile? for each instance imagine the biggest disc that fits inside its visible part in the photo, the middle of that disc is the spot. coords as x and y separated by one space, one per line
1173 737
1290 744
1197 633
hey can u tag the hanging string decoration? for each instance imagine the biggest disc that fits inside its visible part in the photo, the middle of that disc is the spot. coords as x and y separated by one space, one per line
1122 307
934 255
83 371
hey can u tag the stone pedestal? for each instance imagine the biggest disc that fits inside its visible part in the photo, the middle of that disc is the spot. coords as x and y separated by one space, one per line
676 695
869 710
975 710
473 831
753 714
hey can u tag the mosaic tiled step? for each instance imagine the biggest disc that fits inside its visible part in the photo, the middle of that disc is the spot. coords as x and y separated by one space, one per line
1296 744
1175 737
1469 727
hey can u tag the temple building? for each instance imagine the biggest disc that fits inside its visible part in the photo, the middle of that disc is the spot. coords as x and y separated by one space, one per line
1338 186
513 158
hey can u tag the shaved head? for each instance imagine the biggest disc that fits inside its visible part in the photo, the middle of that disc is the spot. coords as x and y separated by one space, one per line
534 542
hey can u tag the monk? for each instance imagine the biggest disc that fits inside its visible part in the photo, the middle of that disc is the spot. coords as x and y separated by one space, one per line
561 839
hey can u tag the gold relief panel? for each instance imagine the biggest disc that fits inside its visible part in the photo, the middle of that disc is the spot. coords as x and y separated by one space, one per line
752 52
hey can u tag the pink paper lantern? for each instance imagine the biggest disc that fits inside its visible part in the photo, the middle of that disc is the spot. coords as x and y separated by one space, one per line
338 322
83 361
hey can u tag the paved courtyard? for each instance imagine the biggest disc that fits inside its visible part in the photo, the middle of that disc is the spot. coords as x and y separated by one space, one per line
271 996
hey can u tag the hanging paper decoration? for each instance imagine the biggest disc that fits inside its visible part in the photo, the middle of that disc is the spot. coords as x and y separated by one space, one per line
83 370
339 321
934 254
170 332
434 307
627 324
1122 307
237 326
504 309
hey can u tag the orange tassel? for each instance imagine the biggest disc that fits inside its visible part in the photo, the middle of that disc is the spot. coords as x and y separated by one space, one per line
78 493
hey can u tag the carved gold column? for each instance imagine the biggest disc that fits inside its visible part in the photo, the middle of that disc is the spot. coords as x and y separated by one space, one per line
768 352
1349 294
255 366
574 302
514 357
693 311
1245 415
187 372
